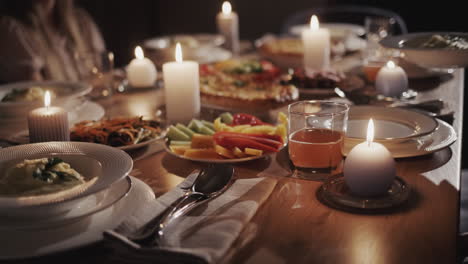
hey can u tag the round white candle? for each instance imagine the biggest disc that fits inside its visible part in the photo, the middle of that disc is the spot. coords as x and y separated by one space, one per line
141 71
369 168
228 26
391 80
48 123
316 43
182 88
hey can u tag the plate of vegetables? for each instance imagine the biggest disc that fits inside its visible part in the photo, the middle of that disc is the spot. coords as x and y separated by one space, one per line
228 139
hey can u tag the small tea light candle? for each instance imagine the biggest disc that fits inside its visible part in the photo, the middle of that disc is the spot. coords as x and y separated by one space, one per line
48 123
228 26
391 80
141 71
182 88
369 168
316 42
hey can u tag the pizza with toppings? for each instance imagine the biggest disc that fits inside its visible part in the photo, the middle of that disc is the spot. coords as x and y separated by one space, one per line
250 84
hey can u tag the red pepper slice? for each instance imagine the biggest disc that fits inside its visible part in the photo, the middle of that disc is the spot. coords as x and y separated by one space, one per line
246 119
231 139
272 140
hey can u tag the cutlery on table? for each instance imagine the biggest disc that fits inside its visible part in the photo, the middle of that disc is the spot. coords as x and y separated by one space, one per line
210 183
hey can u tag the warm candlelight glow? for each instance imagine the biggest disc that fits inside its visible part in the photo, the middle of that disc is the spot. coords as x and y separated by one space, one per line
47 99
178 52
139 53
390 64
227 9
314 23
370 132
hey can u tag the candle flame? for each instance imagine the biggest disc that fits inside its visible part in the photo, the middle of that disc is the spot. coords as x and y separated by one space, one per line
178 52
139 53
227 9
391 64
370 132
314 23
47 99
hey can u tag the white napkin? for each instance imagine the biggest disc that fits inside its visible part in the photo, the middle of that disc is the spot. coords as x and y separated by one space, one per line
208 231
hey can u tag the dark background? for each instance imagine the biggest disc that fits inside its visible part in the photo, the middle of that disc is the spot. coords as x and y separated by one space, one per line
126 23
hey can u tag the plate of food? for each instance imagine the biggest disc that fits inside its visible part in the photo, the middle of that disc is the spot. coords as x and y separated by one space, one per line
228 139
432 49
241 84
45 179
391 123
18 99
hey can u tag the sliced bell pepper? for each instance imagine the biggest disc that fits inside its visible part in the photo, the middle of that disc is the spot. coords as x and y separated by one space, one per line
273 140
231 140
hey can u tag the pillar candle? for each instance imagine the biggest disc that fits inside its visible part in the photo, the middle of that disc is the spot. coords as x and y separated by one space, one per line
48 123
316 43
391 80
141 71
369 168
228 26
182 88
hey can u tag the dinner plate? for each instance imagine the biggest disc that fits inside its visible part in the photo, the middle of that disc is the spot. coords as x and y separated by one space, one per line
411 46
65 91
26 243
166 147
391 123
105 164
443 136
90 205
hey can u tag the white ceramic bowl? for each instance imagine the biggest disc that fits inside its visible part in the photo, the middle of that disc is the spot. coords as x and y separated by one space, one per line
67 94
428 57
101 166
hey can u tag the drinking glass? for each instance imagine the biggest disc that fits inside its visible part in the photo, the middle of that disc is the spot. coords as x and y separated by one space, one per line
376 28
316 132
98 70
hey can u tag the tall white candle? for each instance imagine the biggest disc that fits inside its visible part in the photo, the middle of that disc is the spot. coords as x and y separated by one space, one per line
141 71
316 43
228 26
369 168
182 88
48 123
391 80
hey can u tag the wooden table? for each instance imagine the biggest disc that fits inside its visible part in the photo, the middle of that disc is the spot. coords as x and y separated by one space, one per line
293 227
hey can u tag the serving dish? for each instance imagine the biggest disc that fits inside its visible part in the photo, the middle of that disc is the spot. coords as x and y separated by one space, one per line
66 93
416 49
106 164
391 123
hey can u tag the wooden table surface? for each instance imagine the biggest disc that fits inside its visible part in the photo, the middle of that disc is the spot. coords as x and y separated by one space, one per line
294 227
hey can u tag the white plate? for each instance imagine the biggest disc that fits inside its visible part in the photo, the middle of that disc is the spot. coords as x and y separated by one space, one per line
143 144
108 165
20 244
66 91
391 123
441 138
90 205
338 30
428 57
166 147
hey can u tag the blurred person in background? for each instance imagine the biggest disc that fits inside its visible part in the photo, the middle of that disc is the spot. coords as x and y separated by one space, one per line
46 40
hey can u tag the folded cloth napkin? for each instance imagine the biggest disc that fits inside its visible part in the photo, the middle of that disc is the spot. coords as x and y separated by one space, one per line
206 233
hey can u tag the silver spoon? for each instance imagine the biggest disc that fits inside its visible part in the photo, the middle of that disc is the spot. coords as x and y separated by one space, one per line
209 183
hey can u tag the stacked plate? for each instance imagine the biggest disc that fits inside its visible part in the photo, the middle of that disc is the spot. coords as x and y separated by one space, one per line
404 132
66 219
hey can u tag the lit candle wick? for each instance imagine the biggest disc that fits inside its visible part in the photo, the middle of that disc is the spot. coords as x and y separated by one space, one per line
226 8
314 23
178 52
390 64
47 100
370 132
139 53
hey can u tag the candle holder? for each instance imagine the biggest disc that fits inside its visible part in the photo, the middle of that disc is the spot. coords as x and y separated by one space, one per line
335 193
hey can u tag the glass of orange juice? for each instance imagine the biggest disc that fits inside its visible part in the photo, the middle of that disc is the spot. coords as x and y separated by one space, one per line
316 132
